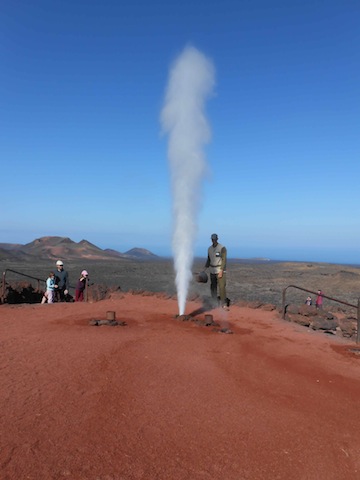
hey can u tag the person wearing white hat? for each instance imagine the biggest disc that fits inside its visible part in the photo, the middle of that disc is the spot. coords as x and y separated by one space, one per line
216 262
61 282
80 286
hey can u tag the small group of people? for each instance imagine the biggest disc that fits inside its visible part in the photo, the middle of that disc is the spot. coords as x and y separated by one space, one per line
318 301
57 285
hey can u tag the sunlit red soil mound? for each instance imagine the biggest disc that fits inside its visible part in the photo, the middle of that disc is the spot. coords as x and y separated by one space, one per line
160 398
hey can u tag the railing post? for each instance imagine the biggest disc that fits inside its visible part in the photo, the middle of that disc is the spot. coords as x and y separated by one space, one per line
283 303
3 287
358 322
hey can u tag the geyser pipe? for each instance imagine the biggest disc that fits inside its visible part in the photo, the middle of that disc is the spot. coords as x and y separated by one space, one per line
191 81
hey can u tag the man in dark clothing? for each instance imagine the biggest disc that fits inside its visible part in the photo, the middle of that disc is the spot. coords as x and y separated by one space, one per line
216 261
61 282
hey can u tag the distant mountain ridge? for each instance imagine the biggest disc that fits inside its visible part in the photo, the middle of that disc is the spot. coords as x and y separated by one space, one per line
140 253
65 248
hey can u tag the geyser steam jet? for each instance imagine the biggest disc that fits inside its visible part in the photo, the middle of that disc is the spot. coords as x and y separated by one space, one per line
191 82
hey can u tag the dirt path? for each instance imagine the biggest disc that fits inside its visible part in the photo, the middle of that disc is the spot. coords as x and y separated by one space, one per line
163 399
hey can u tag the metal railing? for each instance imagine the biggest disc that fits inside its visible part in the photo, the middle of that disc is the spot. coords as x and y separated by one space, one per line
3 289
324 296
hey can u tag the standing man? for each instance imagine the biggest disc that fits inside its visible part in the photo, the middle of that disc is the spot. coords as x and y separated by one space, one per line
216 261
61 282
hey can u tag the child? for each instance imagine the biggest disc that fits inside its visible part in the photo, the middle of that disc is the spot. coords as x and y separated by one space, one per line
50 287
80 286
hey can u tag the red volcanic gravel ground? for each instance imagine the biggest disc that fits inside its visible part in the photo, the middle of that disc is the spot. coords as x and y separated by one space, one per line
165 399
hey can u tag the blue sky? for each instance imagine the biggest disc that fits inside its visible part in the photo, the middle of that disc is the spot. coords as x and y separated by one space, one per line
82 87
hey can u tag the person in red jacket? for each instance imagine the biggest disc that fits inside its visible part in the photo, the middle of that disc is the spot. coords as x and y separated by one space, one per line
319 299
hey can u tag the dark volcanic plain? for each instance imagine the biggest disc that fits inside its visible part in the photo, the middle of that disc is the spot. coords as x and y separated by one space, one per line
247 281
138 269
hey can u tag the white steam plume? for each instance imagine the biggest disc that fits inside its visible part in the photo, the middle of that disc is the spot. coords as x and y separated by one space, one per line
191 81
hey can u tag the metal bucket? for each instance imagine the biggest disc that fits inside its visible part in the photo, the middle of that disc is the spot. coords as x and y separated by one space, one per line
202 277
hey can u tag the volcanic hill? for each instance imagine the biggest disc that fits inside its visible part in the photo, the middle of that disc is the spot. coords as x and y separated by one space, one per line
63 247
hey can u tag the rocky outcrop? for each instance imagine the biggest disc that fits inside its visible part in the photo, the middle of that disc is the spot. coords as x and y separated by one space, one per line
348 327
22 292
322 320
